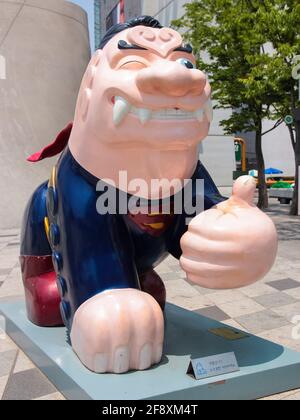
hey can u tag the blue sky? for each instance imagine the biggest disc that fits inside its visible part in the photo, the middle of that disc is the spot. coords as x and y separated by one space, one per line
88 5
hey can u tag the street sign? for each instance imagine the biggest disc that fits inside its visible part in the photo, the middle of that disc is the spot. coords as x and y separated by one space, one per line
289 119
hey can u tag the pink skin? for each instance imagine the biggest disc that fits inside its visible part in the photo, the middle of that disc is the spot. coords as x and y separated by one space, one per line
147 79
118 330
230 246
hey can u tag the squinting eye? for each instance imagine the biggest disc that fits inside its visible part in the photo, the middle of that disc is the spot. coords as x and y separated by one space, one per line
187 63
133 65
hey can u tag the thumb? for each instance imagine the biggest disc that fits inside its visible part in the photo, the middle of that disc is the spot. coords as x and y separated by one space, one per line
244 188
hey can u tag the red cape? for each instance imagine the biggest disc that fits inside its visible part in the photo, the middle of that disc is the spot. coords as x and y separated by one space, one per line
54 148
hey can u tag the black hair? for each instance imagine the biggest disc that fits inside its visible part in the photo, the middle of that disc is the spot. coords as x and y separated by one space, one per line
120 27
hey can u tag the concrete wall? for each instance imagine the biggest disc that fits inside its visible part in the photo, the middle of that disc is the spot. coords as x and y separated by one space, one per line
278 150
45 44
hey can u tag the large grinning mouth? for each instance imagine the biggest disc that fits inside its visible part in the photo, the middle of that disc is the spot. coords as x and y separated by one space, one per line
122 108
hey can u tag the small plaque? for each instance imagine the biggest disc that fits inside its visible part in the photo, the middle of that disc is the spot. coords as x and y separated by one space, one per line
229 333
207 367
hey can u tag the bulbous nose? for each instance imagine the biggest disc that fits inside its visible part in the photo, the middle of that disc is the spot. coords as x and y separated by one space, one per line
171 78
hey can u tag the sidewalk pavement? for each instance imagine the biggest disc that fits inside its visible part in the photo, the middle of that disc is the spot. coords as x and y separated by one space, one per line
265 309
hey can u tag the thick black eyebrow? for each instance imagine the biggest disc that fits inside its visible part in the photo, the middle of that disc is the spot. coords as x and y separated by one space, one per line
123 45
185 48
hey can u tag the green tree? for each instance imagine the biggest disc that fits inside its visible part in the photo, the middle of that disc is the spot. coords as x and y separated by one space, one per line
279 21
244 75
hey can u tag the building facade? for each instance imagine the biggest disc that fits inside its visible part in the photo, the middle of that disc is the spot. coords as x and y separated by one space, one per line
110 12
217 151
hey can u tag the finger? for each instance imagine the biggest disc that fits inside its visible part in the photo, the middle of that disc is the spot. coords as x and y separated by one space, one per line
207 270
143 329
158 319
118 316
225 252
244 188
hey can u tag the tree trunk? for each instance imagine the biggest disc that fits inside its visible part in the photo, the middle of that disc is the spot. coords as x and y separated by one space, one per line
263 201
294 207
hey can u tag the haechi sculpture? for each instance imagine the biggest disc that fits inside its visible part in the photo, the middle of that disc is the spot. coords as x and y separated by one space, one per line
142 109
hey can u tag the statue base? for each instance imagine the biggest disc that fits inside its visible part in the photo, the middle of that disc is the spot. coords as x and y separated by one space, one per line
265 368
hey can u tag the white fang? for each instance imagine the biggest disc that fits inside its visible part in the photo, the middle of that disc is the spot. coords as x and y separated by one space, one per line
121 109
144 115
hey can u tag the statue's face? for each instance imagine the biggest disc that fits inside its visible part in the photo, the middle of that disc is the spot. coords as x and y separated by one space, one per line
142 90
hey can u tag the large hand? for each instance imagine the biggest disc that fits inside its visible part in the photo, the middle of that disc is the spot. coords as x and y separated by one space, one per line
231 245
118 330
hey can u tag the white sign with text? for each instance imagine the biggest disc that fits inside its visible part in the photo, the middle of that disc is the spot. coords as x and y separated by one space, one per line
207 367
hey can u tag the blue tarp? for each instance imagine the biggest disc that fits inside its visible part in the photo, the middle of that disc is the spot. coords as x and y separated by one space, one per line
271 171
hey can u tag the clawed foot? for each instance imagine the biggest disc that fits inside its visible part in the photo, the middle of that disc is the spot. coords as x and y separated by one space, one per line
118 330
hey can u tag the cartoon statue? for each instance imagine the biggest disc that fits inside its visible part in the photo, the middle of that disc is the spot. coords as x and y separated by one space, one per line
142 108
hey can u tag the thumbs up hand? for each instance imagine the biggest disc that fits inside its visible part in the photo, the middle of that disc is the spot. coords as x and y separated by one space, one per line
231 245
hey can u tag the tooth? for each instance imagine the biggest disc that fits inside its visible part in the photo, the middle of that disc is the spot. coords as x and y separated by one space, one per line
144 115
209 110
121 109
199 114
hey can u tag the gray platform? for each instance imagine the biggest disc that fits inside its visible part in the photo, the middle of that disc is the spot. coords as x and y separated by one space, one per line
265 368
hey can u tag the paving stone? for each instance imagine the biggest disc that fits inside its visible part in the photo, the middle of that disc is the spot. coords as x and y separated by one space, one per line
234 324
261 321
275 300
9 232
226 296
292 397
202 290
23 363
3 382
213 312
242 307
257 289
163 269
14 244
282 336
288 311
180 288
13 285
27 385
190 302
6 344
284 284
295 293
52 397
7 360
4 271
169 276
285 395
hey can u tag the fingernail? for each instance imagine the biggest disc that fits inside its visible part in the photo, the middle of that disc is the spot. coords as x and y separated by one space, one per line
158 353
100 363
121 360
145 357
